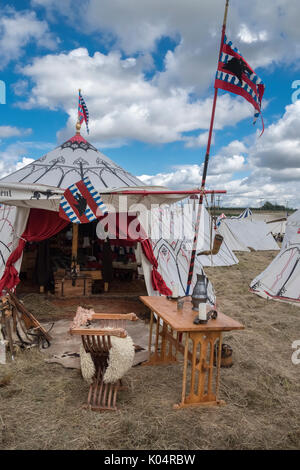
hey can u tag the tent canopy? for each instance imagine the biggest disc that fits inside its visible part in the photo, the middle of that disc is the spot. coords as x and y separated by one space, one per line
72 161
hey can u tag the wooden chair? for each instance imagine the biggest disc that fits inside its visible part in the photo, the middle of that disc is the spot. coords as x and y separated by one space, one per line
97 342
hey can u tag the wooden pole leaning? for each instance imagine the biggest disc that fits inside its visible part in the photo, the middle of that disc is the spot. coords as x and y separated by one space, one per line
205 167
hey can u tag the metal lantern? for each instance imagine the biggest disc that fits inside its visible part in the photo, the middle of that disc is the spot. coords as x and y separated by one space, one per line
199 294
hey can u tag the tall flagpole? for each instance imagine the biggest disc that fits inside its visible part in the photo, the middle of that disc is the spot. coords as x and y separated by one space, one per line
205 166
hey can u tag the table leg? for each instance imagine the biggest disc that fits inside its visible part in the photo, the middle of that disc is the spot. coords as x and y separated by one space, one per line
203 384
163 340
150 335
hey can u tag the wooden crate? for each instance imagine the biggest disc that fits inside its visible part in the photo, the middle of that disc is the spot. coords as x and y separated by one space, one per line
96 275
64 288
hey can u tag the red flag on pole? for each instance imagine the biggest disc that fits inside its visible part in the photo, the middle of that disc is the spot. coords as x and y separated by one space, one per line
234 74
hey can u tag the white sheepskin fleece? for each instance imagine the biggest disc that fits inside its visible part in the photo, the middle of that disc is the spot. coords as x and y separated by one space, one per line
87 365
121 355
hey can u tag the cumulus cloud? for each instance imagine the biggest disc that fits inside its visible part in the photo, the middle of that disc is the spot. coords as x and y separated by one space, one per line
279 148
20 28
221 170
197 141
268 169
123 104
138 25
16 155
12 131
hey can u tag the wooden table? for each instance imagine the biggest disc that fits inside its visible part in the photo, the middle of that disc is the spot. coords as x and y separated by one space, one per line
176 333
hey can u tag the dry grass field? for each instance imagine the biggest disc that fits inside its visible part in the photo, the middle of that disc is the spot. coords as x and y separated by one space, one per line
40 403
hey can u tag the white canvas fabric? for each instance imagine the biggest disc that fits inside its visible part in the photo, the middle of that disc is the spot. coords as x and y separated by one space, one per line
116 199
13 222
230 237
173 264
70 162
281 279
177 222
274 223
277 227
254 235
172 232
207 232
292 233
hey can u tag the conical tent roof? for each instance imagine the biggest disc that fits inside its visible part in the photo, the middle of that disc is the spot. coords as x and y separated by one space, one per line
70 162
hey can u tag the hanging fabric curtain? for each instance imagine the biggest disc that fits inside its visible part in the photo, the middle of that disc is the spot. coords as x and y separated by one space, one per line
128 227
157 280
41 224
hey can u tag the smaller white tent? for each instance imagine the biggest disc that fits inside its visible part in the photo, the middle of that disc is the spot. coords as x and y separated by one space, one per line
281 279
276 224
246 235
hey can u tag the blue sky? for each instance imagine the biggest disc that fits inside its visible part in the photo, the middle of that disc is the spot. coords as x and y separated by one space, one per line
146 70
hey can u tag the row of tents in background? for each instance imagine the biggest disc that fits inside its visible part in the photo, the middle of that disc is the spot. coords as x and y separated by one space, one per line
281 279
245 233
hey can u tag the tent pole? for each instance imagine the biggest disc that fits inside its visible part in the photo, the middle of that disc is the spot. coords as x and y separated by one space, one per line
193 254
75 243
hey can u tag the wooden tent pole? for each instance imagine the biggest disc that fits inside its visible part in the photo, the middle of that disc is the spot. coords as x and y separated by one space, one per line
75 242
205 166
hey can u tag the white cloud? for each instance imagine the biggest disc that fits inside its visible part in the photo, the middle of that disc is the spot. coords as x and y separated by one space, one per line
25 161
11 131
198 141
122 103
245 35
267 33
279 147
20 28
15 156
271 167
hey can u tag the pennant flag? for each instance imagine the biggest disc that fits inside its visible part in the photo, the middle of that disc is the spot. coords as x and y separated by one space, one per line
222 216
81 203
234 74
83 114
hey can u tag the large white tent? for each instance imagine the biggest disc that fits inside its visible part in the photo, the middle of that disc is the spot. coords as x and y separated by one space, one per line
281 279
41 184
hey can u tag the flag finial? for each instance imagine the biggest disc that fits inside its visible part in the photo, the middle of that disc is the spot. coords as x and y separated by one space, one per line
78 127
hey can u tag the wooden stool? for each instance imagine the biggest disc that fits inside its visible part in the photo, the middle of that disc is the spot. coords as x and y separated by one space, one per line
97 342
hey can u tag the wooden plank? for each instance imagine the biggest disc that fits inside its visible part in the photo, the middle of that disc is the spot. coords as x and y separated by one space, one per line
115 316
96 275
183 320
120 332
